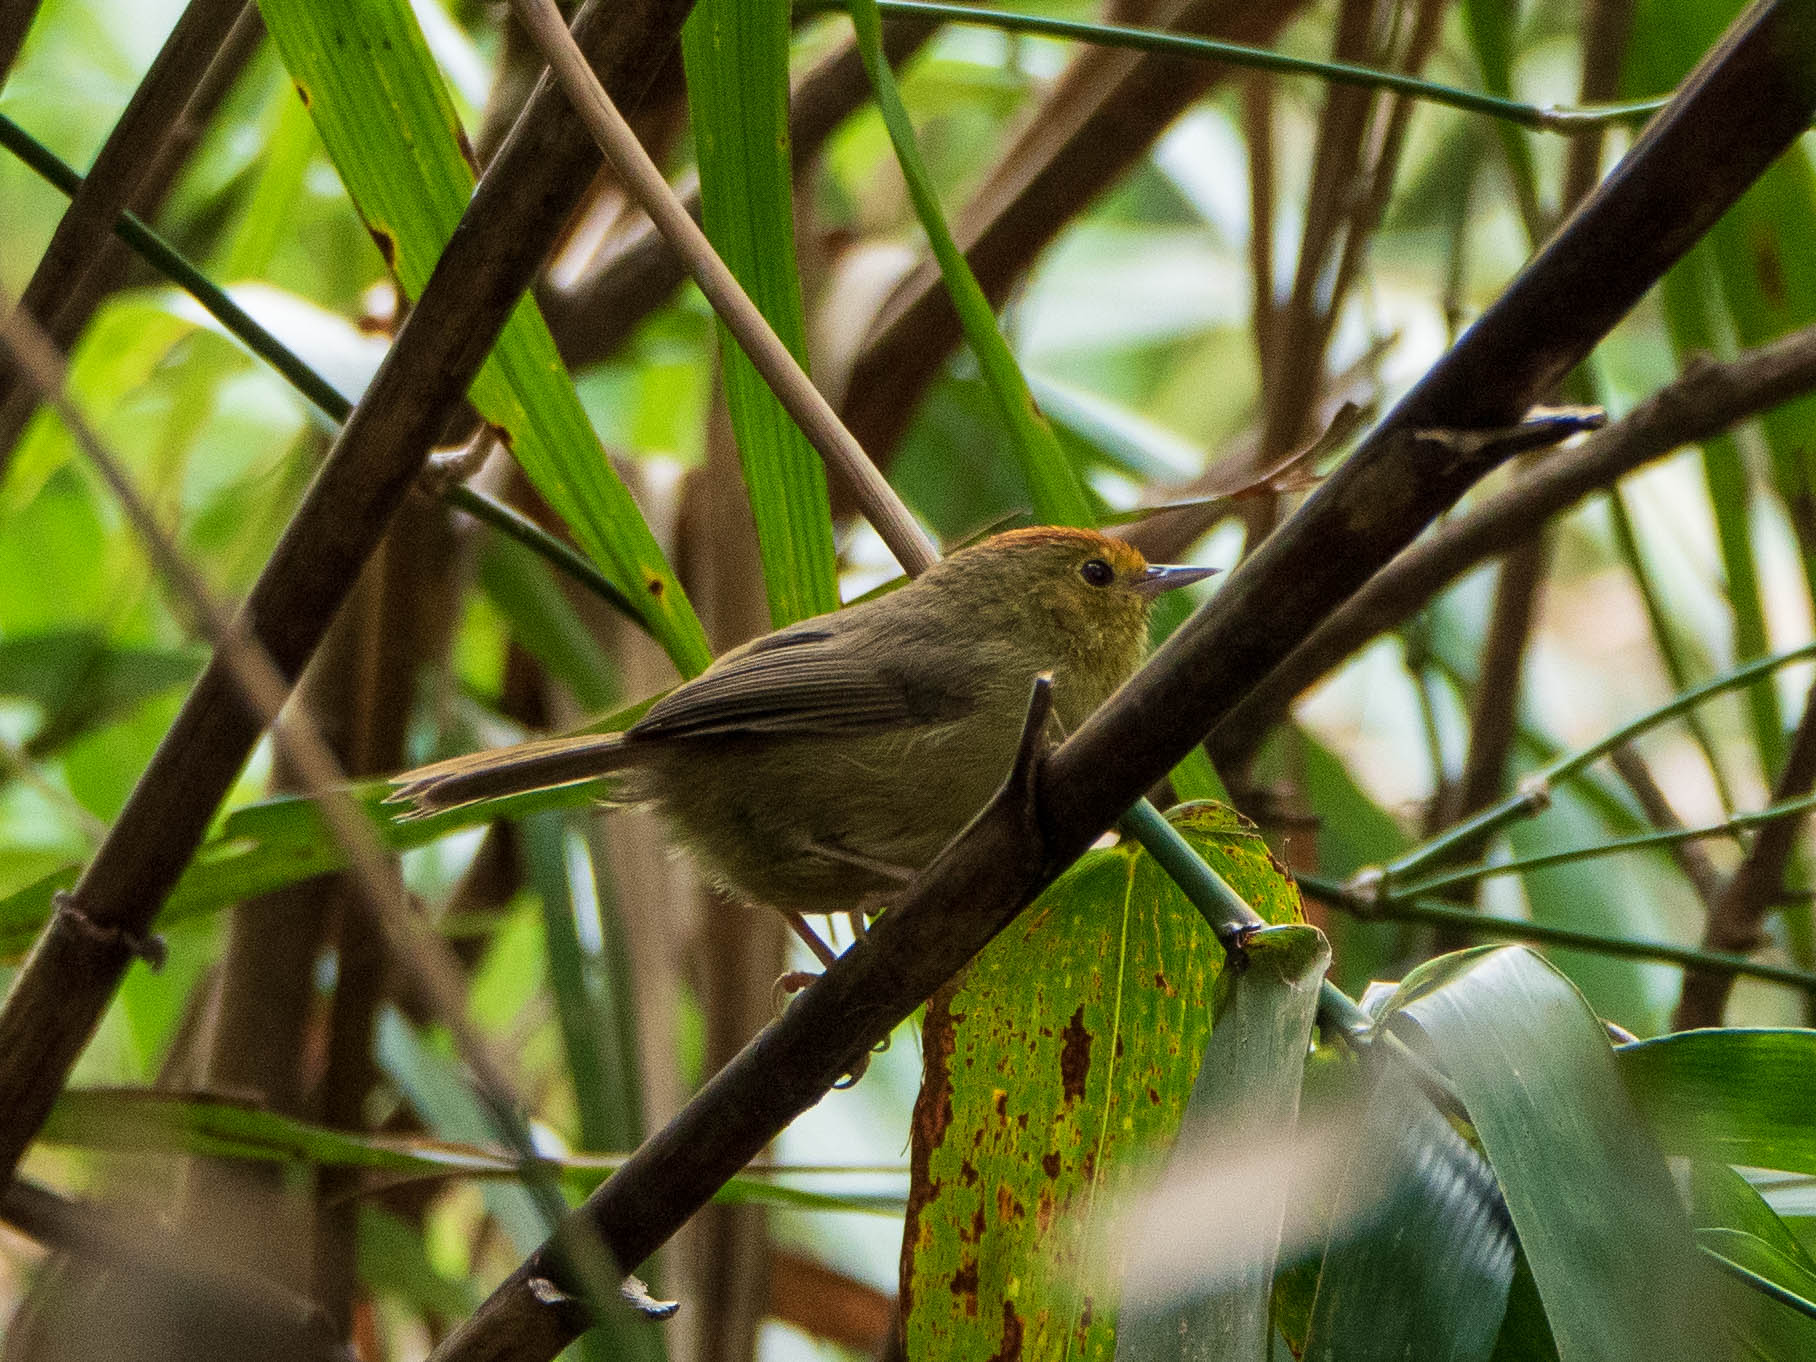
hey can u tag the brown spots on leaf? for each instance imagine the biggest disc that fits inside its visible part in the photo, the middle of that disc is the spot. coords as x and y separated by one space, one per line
1050 1163
1162 983
1075 1057
1008 1209
1044 1206
1153 1097
302 93
1011 1349
932 1118
964 1286
999 1100
387 245
967 1173
655 587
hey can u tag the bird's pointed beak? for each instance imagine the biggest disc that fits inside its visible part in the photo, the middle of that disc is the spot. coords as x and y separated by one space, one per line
1161 577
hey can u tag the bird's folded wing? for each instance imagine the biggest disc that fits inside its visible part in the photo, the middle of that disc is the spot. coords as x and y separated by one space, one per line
808 683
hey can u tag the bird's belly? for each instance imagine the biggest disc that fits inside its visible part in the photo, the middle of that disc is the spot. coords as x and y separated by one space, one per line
791 823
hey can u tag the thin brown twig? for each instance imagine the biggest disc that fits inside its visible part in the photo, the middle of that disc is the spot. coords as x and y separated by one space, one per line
1737 921
796 392
1697 868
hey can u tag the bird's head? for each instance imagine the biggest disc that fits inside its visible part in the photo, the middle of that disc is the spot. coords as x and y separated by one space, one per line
1093 591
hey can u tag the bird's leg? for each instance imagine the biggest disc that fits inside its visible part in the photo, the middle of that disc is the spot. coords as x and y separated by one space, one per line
797 979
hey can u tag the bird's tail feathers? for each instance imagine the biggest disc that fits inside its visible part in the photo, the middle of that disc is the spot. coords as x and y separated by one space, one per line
543 765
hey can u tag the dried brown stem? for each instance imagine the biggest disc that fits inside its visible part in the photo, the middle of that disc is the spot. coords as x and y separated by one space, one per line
1748 101
59 994
1737 921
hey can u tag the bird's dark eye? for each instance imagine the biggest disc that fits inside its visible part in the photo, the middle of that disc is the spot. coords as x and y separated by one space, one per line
1097 572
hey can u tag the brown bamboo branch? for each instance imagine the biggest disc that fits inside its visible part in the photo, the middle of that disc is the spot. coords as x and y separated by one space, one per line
1705 400
1737 922
15 22
59 994
84 237
1749 100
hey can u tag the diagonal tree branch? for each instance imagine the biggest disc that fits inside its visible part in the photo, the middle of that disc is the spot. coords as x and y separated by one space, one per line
1748 101
515 212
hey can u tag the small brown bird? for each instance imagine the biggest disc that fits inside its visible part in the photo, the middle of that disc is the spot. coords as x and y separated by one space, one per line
816 769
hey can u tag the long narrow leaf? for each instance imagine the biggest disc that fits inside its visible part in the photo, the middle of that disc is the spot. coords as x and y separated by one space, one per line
736 53
381 108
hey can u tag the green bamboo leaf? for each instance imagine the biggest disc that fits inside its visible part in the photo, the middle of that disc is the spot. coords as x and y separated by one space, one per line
1059 496
1249 1081
1421 1256
1587 1189
736 52
545 622
1743 1097
1722 1198
1059 1067
383 113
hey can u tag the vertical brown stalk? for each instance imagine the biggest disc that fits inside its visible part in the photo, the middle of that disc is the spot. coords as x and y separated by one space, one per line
1739 915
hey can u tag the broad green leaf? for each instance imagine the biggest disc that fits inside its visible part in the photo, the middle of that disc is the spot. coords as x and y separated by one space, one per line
1731 1096
1060 1066
1587 1189
81 681
1421 1254
736 52
1720 1198
382 111
1248 1082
